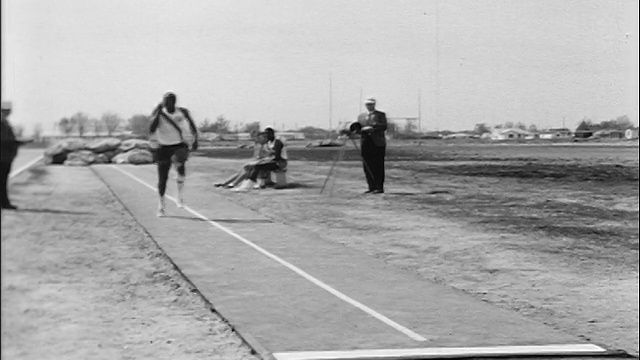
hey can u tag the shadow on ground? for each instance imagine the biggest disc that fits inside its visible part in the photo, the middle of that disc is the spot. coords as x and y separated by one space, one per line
54 211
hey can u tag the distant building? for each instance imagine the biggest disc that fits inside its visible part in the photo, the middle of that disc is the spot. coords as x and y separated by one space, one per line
583 131
459 136
291 135
631 133
210 136
609 134
511 134
244 136
560 133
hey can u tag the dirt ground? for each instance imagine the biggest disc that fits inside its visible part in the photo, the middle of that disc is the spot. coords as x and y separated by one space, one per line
82 280
554 238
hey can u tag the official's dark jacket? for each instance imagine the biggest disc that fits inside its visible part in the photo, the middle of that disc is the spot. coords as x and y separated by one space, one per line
378 121
9 142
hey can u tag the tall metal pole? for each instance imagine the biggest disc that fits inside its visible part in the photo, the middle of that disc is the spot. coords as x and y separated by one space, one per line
437 33
330 102
419 111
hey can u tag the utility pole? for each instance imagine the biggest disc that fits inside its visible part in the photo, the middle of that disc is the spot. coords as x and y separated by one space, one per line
419 112
563 122
330 102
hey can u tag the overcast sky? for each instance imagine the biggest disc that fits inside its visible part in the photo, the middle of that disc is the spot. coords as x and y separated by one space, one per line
493 61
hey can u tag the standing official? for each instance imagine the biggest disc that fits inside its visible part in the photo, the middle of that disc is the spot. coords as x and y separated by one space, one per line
9 151
373 146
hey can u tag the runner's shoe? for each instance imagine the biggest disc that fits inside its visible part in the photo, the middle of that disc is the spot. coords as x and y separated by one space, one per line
161 208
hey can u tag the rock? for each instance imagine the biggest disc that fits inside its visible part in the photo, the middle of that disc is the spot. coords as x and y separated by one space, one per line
57 154
104 145
56 158
112 153
122 158
83 155
131 144
73 145
139 157
102 159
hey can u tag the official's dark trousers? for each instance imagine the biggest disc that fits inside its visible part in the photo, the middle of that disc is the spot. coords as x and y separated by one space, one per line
6 169
373 164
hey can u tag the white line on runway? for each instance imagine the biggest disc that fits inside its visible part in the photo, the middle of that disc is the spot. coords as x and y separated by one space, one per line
433 353
30 164
290 266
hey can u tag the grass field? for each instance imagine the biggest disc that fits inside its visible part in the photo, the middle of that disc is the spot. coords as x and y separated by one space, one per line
547 231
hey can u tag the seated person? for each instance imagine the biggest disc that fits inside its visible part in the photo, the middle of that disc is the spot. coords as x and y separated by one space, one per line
260 154
277 160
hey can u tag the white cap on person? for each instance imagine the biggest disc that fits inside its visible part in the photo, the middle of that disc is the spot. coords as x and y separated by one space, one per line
7 105
370 101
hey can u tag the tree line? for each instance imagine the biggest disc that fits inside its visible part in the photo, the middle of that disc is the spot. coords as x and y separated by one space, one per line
110 122
81 123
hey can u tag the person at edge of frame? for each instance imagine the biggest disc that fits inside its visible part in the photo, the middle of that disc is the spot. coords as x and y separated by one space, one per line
9 152
173 133
373 145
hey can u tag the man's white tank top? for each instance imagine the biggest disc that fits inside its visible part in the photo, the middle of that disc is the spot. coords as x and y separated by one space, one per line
167 134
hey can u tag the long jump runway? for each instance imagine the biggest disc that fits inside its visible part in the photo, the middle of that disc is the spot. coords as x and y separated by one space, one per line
296 295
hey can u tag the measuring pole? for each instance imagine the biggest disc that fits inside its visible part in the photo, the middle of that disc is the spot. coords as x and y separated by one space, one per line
419 112
330 102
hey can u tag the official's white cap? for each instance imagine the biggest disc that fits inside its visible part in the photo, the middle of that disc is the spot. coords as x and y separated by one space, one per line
370 101
7 105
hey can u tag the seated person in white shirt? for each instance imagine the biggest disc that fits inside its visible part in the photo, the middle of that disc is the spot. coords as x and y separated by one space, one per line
277 161
260 155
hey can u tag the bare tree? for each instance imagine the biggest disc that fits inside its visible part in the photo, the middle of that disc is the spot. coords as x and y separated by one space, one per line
111 122
97 124
410 127
482 128
81 121
253 127
221 125
139 124
521 126
66 126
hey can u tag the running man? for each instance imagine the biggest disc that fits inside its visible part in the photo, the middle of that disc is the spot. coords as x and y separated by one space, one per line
175 132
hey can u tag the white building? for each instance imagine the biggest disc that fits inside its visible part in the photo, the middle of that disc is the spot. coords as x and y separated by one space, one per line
511 134
560 133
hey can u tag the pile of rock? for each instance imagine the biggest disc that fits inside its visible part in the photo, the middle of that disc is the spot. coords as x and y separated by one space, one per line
102 151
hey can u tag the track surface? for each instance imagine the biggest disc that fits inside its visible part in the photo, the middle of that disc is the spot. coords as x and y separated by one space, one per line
297 294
